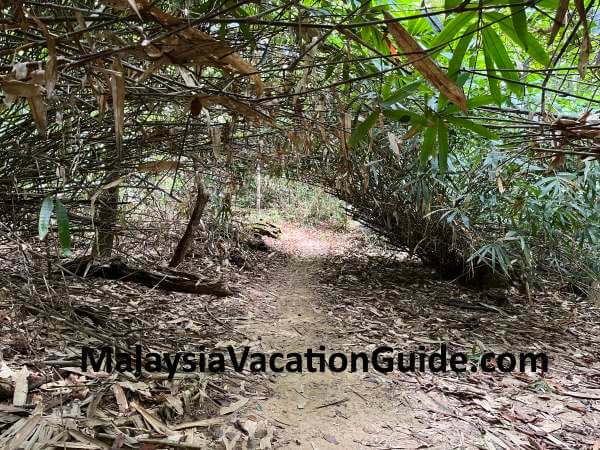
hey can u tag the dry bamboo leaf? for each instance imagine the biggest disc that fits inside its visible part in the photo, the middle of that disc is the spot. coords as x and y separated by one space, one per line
191 45
247 111
424 64
39 111
394 144
199 423
233 407
412 131
121 398
51 67
586 48
559 19
152 420
85 439
26 428
187 76
21 387
117 84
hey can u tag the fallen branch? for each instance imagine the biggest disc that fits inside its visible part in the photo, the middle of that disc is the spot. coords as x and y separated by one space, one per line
118 270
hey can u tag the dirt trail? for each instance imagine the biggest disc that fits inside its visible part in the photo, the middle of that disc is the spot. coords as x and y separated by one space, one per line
316 410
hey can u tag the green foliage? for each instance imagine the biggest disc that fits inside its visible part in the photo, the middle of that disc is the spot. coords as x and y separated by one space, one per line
50 205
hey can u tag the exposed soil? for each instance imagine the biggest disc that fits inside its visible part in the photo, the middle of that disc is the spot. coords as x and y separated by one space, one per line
319 296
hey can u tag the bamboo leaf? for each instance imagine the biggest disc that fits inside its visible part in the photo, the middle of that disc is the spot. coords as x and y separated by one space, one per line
451 28
442 136
401 93
424 64
586 48
64 234
497 51
117 83
361 132
456 62
472 126
44 220
492 81
533 48
559 19
404 115
475 102
428 147
519 21
459 53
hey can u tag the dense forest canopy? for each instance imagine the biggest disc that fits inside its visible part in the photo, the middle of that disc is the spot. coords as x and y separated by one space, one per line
466 132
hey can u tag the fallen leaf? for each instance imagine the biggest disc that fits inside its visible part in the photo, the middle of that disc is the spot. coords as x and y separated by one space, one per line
21 387
233 406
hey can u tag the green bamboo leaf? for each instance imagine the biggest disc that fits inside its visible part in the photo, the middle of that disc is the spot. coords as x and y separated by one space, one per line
64 234
533 47
404 115
442 136
451 28
493 82
459 53
44 220
519 21
361 132
474 102
497 51
472 126
428 148
448 4
401 93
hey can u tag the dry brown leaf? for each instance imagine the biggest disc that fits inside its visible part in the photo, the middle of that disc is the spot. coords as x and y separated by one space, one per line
51 67
586 47
233 407
117 84
121 398
21 387
152 420
26 429
204 101
424 64
39 111
559 19
199 423
189 45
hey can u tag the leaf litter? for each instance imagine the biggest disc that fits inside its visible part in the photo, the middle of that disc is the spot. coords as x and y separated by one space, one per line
352 297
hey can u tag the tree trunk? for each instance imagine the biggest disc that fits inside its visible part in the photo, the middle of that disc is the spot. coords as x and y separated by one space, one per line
188 236
258 193
107 221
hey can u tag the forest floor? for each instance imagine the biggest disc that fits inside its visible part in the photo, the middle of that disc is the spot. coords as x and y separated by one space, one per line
316 287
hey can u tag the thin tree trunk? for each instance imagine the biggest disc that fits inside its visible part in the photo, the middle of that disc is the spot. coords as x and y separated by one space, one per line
188 236
107 221
258 193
